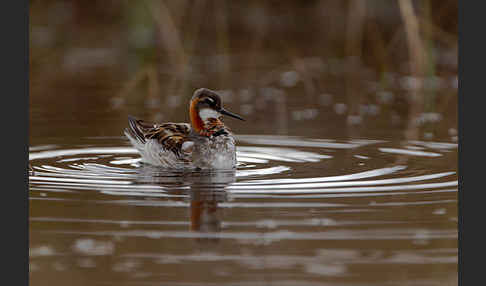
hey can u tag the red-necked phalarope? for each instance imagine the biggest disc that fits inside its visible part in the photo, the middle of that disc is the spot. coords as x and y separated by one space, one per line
206 143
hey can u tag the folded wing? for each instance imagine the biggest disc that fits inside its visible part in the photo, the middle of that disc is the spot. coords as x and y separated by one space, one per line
170 136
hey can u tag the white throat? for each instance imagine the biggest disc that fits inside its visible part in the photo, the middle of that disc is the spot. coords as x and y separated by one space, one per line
207 113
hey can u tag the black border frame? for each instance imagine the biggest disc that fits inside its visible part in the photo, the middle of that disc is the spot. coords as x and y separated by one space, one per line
14 23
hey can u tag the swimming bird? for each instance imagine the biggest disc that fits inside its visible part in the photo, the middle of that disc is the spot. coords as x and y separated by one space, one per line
205 143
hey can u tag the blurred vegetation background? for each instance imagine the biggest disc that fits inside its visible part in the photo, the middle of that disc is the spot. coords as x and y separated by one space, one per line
322 68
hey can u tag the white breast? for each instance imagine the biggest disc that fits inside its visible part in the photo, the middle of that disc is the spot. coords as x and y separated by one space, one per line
208 113
216 153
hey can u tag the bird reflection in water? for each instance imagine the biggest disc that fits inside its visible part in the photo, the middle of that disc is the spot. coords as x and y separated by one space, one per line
205 214
204 190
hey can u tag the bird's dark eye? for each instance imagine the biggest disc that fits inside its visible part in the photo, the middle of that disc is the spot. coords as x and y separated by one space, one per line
209 101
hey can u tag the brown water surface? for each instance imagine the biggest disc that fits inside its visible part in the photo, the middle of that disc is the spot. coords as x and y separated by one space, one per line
297 209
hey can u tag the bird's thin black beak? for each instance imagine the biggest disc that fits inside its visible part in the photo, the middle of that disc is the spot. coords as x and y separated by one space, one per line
226 112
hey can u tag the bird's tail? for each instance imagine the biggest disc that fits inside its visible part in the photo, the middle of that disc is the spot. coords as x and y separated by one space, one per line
134 133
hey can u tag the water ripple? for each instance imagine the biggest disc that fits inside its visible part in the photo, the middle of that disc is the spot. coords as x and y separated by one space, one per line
342 203
262 171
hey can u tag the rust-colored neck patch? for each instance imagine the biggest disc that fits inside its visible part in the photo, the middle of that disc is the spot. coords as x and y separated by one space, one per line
196 122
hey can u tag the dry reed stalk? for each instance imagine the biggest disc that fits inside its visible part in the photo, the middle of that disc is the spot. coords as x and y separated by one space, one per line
414 42
223 36
354 37
130 85
181 82
170 37
178 45
354 28
417 64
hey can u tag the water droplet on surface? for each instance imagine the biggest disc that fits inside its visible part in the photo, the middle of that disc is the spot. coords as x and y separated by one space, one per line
373 109
125 266
354 119
93 247
421 237
271 224
289 79
305 114
361 157
43 250
385 97
117 102
340 108
428 135
440 211
428 117
411 83
455 82
325 269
